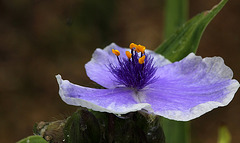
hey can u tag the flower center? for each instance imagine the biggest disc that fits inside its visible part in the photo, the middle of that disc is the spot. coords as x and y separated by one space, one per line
135 71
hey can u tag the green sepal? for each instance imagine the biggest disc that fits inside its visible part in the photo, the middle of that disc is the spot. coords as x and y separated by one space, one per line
186 39
134 128
82 127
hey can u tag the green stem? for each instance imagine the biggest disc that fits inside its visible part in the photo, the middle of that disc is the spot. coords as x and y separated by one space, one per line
176 14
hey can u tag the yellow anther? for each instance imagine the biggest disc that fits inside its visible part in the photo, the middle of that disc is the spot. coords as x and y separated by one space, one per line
116 52
129 55
132 45
141 60
140 48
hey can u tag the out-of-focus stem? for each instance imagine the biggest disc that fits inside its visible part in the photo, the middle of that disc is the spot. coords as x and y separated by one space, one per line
176 14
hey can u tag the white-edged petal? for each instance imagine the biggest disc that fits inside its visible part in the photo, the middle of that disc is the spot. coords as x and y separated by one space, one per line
191 87
117 101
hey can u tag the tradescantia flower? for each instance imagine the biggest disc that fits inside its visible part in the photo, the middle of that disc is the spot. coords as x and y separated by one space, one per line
139 79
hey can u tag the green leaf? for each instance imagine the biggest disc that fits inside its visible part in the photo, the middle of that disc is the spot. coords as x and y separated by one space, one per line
176 14
224 135
33 139
186 39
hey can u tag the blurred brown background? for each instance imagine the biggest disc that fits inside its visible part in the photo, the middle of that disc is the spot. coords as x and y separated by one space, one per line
41 38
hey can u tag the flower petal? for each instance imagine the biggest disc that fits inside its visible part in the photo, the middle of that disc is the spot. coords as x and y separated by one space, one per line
158 59
117 101
187 89
97 69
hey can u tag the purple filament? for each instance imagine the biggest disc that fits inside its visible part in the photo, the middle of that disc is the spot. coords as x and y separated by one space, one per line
132 74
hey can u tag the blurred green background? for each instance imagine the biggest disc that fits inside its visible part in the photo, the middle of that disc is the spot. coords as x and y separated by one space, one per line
41 38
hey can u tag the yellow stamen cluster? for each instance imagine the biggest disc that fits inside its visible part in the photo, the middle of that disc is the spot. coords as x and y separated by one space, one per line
136 48
129 55
141 60
140 48
132 45
116 52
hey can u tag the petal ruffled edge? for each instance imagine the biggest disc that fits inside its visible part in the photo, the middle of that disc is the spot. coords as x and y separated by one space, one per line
224 75
200 109
77 101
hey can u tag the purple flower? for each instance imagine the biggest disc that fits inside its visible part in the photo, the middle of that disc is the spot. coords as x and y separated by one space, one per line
144 80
